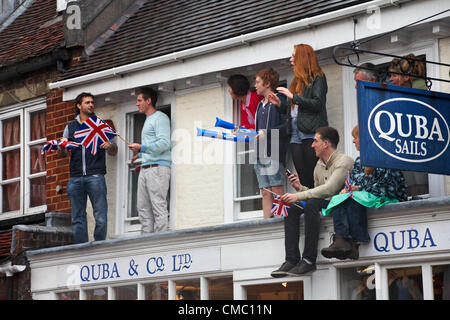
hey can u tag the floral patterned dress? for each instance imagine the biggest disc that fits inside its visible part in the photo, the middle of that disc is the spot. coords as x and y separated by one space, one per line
381 187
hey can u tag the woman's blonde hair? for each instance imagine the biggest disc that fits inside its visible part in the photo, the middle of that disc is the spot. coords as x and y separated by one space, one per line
306 68
355 134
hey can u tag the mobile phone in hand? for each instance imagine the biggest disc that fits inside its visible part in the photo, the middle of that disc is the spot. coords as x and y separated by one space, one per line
288 173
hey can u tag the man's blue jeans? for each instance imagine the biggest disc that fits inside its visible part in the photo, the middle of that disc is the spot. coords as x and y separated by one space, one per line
78 188
350 221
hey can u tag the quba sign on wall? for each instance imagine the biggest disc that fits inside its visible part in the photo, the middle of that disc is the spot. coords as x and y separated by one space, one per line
404 128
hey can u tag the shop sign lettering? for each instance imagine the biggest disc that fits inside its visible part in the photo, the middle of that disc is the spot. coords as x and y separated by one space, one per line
142 266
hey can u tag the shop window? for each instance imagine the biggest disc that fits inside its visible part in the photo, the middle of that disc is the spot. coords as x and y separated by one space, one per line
97 294
188 289
441 282
22 135
276 291
126 293
358 283
70 295
220 288
156 291
405 283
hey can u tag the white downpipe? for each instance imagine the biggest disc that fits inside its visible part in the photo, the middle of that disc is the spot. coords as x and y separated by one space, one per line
244 39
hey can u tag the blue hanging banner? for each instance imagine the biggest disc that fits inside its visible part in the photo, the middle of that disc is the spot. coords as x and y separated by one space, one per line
403 128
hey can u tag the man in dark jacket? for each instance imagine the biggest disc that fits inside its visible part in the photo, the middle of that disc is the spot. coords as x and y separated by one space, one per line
87 176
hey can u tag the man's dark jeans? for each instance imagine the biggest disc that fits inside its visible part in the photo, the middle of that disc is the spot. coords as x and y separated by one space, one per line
78 189
350 221
312 212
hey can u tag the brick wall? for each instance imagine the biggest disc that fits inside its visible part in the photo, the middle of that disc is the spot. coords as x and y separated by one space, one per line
28 238
59 113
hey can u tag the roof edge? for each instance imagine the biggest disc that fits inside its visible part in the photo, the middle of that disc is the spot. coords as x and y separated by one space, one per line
244 39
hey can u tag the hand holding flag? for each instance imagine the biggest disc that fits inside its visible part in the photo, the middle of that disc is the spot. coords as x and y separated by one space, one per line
93 132
279 208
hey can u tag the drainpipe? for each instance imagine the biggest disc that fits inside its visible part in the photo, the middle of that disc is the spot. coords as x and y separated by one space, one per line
227 43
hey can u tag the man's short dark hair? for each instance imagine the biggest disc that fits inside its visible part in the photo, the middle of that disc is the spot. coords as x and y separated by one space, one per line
330 134
79 100
148 92
239 84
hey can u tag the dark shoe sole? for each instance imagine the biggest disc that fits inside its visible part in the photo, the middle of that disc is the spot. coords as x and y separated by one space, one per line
278 274
339 254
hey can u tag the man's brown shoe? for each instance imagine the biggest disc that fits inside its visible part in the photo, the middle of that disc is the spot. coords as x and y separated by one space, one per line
354 254
340 248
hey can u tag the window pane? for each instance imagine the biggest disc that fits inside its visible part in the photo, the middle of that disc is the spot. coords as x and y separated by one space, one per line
11 164
37 161
37 125
188 289
11 197
276 291
126 292
72 295
358 283
156 291
97 294
220 288
11 132
441 282
37 192
133 176
405 284
250 205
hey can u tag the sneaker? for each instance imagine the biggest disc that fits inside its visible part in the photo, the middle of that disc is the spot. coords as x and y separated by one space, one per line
340 248
282 271
302 268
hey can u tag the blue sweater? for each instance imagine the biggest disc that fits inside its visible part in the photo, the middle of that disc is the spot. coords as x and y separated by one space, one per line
155 140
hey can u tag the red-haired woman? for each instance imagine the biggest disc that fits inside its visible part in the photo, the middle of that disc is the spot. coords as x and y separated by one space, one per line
307 111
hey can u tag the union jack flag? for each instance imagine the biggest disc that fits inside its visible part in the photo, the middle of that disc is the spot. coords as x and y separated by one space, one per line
54 145
279 208
50 146
348 184
93 133
69 144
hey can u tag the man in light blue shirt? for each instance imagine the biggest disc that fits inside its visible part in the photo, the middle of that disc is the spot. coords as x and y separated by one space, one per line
154 176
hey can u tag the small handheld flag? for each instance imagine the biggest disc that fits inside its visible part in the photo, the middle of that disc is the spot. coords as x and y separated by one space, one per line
54 145
94 132
348 184
50 146
279 208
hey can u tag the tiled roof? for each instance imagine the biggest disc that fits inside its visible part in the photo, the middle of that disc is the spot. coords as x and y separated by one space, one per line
35 32
5 243
167 26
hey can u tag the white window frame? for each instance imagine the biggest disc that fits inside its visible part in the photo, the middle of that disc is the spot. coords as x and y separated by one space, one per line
430 48
232 211
23 111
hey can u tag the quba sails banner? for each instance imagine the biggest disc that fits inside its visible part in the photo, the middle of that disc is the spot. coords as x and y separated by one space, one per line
403 128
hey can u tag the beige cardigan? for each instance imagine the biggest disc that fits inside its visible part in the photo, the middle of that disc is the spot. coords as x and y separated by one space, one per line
329 178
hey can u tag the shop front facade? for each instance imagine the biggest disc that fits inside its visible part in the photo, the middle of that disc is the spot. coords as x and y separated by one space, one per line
408 258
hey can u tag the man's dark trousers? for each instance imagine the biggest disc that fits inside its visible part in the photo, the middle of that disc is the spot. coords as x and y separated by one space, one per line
312 213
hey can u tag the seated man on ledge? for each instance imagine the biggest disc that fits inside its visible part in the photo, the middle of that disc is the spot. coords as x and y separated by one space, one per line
329 177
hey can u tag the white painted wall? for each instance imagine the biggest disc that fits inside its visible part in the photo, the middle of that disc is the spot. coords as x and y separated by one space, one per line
199 185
